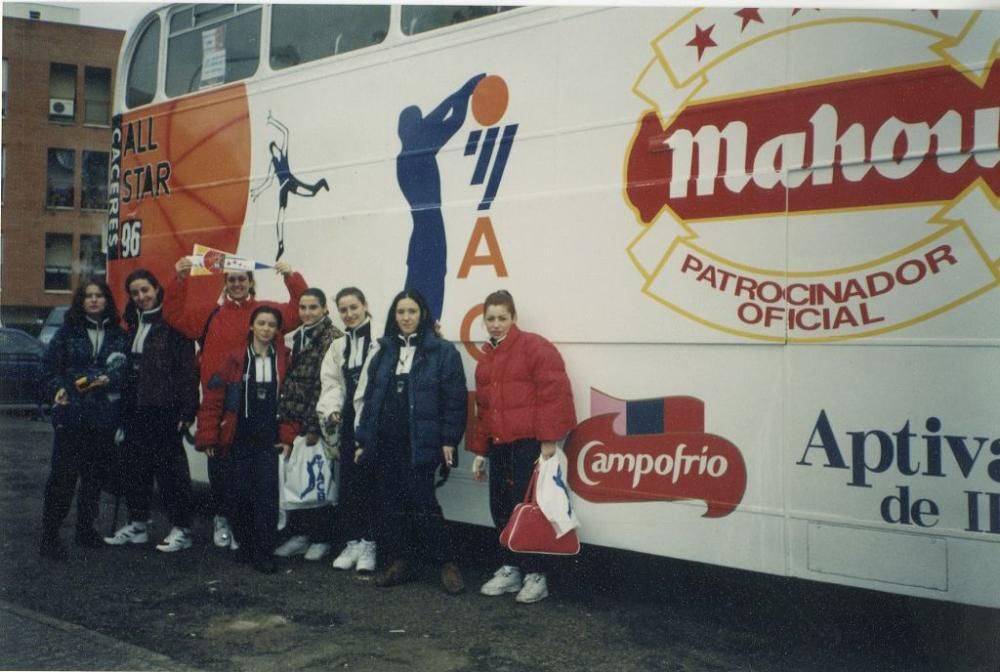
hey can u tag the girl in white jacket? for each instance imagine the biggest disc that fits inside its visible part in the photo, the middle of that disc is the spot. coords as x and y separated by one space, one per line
343 380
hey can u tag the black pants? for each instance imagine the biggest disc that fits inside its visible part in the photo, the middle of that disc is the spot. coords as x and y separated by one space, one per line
511 467
77 453
155 450
253 500
219 477
410 521
317 524
356 508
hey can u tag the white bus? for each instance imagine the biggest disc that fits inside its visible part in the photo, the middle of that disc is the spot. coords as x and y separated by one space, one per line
766 242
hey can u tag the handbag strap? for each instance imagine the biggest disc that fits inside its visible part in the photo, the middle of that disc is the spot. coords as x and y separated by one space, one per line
529 494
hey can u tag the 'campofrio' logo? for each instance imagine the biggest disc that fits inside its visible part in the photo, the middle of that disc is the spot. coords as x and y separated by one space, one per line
653 450
815 175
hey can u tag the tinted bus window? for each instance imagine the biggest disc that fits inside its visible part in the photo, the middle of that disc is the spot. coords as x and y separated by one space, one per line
421 18
211 45
303 33
141 83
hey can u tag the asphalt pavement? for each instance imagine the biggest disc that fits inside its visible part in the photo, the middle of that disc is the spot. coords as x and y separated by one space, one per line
133 608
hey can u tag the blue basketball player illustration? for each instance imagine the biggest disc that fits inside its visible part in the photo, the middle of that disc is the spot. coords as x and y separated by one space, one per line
420 181
287 182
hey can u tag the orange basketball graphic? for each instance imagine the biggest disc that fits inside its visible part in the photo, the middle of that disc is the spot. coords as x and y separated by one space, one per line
489 100
199 148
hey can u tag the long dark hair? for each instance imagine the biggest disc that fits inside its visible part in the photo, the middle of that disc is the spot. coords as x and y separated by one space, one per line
131 313
426 321
76 315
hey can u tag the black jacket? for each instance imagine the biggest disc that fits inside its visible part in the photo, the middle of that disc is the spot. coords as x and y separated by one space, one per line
165 375
70 357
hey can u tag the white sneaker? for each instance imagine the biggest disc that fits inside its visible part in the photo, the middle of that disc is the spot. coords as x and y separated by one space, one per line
507 579
535 589
234 545
349 556
317 551
366 557
177 540
133 533
297 545
223 535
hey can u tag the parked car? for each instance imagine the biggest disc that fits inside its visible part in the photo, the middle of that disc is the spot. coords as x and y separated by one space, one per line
20 369
52 324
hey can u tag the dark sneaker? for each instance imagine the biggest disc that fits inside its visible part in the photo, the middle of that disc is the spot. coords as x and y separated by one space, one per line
393 575
451 579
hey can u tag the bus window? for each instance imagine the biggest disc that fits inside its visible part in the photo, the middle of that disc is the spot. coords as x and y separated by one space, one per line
211 45
421 18
303 33
141 84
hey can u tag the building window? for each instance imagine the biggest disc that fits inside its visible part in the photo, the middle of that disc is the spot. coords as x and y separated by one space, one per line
58 261
421 18
96 95
92 259
303 33
211 45
94 187
60 178
62 92
5 66
140 86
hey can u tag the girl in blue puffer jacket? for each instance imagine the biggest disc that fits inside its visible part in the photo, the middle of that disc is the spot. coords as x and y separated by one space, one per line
83 373
412 421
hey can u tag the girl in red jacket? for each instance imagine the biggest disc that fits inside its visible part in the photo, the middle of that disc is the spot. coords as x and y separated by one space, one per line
240 414
524 405
192 307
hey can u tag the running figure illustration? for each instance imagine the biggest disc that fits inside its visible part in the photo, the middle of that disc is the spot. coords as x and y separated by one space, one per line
287 183
420 181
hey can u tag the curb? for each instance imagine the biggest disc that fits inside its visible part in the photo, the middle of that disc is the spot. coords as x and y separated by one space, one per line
138 657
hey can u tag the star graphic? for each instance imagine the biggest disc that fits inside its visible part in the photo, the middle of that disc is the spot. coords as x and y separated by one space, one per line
702 39
749 14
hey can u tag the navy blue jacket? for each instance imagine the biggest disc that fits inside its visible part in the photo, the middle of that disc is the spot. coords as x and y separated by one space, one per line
438 399
70 356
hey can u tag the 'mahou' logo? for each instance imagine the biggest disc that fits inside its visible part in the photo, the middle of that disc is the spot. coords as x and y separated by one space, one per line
738 137
653 450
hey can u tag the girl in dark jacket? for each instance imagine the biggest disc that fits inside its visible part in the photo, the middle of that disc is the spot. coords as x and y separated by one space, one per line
524 405
310 530
83 371
240 410
412 420
160 403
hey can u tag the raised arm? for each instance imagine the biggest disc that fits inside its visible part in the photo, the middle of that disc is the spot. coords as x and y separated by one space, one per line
184 313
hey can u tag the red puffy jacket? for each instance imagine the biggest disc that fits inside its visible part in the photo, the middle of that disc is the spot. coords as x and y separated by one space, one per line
522 392
222 400
227 330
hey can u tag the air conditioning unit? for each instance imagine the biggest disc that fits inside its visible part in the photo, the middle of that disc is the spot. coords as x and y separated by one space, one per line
61 107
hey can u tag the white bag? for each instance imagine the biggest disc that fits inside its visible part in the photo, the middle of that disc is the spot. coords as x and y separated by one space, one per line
552 493
307 477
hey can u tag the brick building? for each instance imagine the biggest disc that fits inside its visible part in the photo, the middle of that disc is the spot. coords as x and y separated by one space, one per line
58 81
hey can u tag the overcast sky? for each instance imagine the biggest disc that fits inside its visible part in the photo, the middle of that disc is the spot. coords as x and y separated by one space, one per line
118 15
